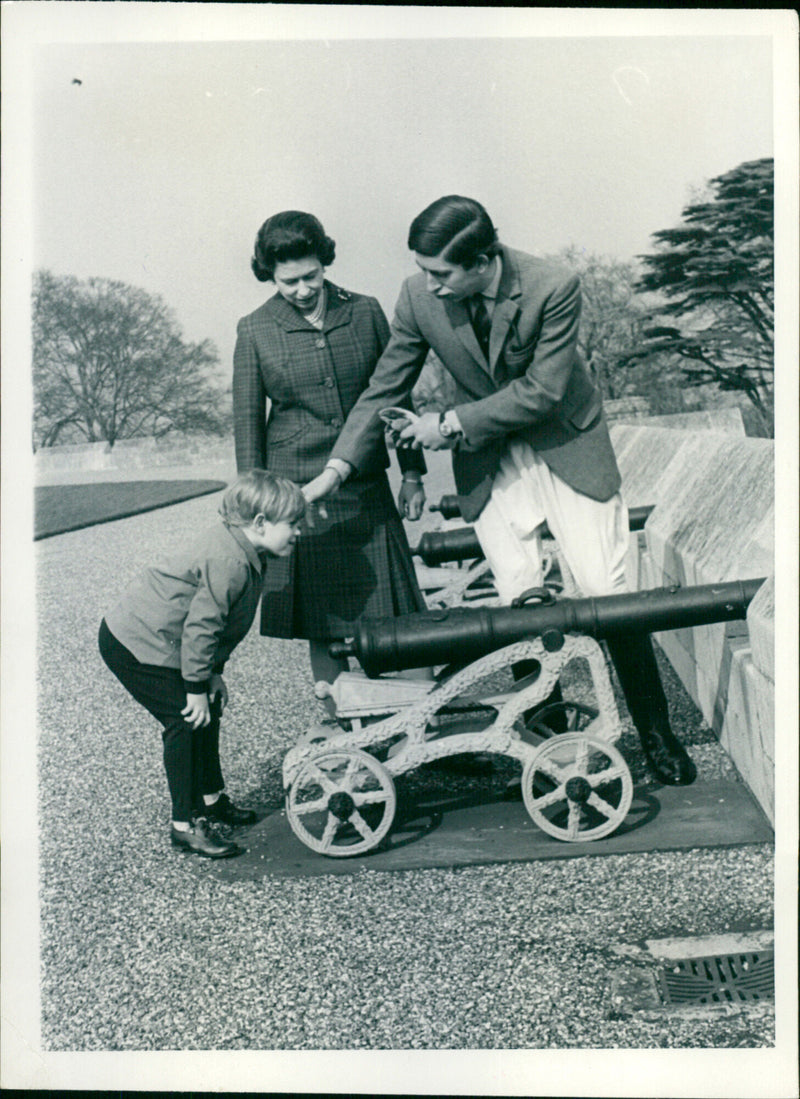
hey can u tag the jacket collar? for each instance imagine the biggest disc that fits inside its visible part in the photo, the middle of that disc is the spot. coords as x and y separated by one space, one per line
338 310
250 551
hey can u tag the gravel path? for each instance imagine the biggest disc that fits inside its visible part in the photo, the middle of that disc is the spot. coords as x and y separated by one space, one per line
139 951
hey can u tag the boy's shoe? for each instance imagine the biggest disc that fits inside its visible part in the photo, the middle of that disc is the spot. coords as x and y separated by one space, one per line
225 812
202 840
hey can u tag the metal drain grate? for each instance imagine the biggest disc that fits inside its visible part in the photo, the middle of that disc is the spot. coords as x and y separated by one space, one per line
727 978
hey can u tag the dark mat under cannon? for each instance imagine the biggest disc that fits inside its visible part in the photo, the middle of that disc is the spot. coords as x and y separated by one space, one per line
448 832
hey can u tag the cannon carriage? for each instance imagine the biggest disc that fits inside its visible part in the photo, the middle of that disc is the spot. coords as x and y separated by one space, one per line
576 785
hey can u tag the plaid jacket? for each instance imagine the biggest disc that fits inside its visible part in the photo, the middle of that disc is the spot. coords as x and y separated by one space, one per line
312 379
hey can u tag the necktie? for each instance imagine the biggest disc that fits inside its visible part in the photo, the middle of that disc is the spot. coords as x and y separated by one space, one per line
481 322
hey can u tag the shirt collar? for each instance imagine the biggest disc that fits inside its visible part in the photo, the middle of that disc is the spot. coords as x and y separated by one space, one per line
494 285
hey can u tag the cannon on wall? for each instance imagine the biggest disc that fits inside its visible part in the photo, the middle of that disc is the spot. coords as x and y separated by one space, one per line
576 785
474 584
436 547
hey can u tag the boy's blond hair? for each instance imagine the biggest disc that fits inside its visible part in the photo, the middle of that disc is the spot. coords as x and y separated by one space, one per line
259 492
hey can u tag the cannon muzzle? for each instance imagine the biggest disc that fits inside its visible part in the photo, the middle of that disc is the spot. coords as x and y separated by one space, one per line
461 544
462 634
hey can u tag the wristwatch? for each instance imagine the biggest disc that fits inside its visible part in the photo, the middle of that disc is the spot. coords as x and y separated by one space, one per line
446 429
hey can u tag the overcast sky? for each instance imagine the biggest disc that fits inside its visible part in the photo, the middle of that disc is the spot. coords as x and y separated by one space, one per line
158 168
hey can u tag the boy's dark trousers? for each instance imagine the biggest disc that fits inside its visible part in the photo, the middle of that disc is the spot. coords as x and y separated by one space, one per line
191 756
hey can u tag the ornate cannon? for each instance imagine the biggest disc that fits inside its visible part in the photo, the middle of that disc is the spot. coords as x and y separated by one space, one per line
462 634
576 786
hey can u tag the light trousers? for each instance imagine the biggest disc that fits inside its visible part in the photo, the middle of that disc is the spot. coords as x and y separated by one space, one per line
592 535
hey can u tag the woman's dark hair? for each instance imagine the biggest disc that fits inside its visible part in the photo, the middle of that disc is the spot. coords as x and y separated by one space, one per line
457 227
286 236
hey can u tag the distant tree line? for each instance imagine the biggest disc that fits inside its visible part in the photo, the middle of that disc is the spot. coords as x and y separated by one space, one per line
109 363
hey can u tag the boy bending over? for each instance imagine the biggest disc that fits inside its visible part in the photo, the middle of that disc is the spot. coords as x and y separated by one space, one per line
169 636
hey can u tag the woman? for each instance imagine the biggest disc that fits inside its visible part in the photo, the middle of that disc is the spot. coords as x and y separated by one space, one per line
311 349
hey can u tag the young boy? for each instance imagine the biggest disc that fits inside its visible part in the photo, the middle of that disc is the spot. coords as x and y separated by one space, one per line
168 638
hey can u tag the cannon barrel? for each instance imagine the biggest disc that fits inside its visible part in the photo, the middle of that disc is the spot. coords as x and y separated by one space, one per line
463 634
461 544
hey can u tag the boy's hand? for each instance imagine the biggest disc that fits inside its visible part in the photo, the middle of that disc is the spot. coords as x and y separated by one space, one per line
196 712
218 689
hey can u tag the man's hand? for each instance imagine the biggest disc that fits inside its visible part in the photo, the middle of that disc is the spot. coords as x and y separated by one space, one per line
411 499
424 432
196 712
218 689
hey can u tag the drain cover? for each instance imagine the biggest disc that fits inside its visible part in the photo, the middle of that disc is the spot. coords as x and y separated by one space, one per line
725 978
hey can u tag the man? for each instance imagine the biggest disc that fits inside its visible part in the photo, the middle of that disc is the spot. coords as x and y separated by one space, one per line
528 438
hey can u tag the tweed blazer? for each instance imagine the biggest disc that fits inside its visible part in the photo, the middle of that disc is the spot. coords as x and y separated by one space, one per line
312 379
534 385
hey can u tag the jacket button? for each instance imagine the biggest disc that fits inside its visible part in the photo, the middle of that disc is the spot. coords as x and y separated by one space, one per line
319 343
328 382
336 422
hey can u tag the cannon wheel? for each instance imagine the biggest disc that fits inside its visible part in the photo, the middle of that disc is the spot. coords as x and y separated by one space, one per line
577 787
341 803
557 718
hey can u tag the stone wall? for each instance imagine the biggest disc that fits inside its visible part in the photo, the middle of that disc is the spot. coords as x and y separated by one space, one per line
170 450
173 457
713 522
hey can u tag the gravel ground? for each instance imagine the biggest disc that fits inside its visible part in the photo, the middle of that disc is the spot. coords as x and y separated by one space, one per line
139 951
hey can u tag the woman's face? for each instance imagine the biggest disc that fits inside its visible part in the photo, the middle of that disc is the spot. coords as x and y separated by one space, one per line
299 281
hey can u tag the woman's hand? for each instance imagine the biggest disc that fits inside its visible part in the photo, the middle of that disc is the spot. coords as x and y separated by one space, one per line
324 485
411 498
196 712
218 689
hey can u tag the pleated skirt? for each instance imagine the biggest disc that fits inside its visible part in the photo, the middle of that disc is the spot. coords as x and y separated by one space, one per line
354 564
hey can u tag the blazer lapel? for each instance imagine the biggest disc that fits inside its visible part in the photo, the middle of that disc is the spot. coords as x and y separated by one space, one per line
505 311
338 307
506 308
458 315
287 316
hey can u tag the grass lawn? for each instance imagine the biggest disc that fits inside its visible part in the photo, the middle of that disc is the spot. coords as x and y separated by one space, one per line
59 508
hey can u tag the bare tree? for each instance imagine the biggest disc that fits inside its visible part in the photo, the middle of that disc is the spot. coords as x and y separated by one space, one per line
109 363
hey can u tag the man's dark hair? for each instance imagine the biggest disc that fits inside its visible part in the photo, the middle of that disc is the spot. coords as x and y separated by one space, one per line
457 227
287 236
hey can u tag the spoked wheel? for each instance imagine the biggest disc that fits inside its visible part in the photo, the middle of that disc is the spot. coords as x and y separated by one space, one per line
341 803
559 718
577 787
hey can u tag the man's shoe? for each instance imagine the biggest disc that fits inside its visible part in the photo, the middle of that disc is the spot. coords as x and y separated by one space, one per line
223 811
202 840
667 758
